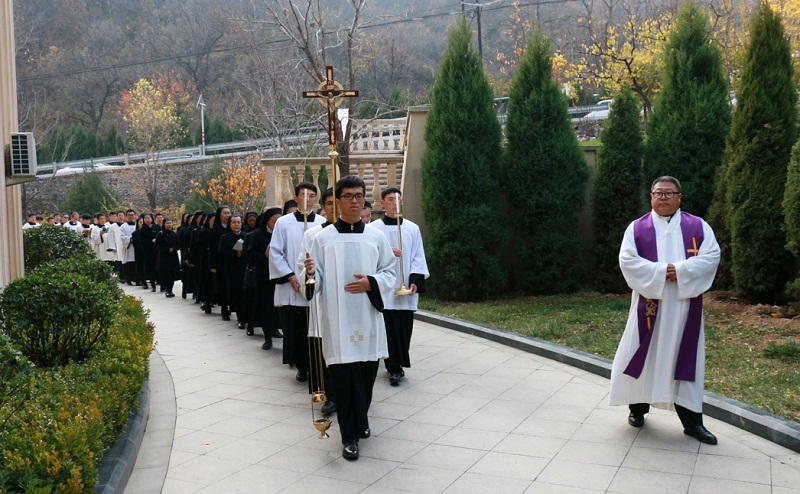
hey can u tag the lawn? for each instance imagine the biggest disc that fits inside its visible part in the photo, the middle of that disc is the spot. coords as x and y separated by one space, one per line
737 343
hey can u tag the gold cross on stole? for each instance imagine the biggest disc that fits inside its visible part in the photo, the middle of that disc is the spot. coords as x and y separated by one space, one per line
694 250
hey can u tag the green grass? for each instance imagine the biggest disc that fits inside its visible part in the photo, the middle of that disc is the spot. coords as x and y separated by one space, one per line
737 364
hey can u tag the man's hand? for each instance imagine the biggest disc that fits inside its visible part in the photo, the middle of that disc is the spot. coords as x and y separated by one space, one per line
361 284
397 252
295 283
672 275
311 268
213 270
413 288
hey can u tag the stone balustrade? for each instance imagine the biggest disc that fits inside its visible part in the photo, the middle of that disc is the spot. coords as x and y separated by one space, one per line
378 136
377 170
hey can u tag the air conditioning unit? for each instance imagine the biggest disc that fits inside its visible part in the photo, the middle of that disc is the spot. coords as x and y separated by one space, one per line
23 154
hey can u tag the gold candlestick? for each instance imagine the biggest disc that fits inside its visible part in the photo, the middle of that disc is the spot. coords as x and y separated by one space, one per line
402 290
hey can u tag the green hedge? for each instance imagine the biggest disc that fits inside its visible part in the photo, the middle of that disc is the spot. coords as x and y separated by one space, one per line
60 311
74 413
52 243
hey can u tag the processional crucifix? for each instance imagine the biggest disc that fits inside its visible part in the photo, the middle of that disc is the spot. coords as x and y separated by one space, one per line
331 94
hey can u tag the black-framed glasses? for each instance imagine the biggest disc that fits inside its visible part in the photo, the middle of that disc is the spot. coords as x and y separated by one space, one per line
663 195
350 197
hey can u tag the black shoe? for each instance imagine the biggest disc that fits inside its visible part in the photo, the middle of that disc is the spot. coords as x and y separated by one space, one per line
144 286
240 324
267 345
170 295
701 434
302 375
226 317
276 333
328 408
154 288
395 379
250 332
365 433
350 451
207 309
635 420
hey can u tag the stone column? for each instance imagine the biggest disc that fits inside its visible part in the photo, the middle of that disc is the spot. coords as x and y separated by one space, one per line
11 255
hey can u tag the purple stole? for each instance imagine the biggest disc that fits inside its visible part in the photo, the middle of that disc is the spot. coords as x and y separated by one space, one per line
645 236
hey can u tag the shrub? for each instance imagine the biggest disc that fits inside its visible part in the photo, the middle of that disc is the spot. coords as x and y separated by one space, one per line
15 379
91 267
47 243
57 316
75 413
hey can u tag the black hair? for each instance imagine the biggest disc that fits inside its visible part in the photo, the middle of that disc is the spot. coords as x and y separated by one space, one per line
390 190
304 185
667 178
86 216
325 195
129 211
291 203
349 182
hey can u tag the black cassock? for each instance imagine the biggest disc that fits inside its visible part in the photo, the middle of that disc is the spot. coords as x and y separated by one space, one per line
168 265
235 264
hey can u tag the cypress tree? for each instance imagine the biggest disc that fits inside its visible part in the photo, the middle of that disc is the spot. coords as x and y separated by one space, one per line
88 195
763 131
617 188
686 133
791 203
460 188
545 175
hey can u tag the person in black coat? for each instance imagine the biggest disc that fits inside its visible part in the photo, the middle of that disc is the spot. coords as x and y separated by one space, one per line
231 255
136 244
261 300
147 237
194 253
167 246
206 280
250 222
184 236
216 266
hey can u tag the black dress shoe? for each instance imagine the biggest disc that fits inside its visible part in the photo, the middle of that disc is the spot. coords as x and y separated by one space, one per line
350 451
241 324
154 288
226 317
701 434
250 332
302 375
365 433
267 345
395 379
328 408
635 420
276 333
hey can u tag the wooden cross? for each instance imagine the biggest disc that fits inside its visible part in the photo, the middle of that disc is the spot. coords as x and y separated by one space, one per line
694 250
330 94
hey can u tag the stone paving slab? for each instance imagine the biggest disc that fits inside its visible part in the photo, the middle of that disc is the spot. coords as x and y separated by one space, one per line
472 415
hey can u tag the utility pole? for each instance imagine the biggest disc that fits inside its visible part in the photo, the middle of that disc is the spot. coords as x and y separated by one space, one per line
202 106
480 40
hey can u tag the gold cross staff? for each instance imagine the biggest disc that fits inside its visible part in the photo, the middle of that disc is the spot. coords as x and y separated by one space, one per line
331 94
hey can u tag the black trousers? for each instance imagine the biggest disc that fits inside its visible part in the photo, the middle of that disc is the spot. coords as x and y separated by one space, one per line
688 417
294 321
399 326
353 384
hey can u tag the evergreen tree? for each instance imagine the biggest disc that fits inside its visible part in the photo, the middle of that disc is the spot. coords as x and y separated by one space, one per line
113 144
763 131
686 133
545 176
88 195
460 188
617 189
791 203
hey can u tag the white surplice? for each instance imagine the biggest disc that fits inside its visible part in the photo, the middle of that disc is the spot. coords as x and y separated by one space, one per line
656 385
352 328
283 251
413 261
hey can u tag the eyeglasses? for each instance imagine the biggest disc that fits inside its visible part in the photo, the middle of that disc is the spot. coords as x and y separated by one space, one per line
663 195
350 197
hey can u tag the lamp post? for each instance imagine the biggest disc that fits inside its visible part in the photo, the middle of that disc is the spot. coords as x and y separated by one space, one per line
202 106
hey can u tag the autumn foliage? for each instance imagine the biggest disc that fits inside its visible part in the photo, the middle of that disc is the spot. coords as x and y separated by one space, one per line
241 185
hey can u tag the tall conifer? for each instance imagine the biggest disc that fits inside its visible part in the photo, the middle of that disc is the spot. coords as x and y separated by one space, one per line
763 131
460 188
686 133
617 189
545 176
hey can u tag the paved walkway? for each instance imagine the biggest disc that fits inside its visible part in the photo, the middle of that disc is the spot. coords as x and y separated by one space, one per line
471 416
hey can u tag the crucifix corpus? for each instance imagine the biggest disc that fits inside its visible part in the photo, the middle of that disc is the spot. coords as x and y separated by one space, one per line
331 94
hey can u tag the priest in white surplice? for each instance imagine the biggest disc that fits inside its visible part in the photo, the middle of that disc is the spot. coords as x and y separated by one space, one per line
669 259
354 269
